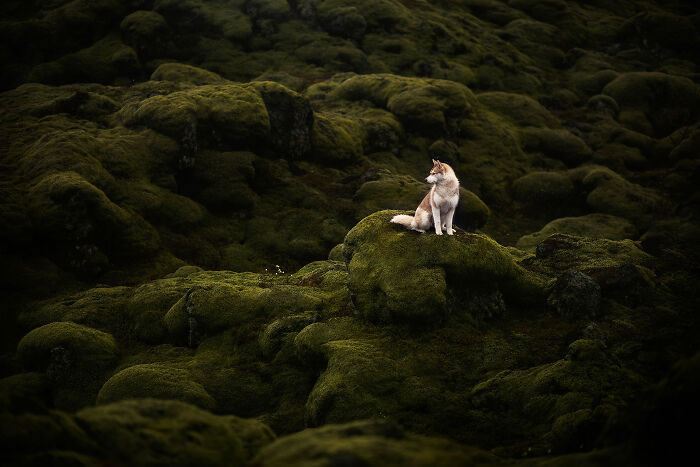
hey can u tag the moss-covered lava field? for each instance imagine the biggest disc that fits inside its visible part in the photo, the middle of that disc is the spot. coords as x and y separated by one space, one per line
198 269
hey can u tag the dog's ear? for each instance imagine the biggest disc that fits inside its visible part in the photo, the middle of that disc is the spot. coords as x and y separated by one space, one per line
439 165
434 162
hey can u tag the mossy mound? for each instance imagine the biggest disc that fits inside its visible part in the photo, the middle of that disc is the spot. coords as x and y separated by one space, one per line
188 74
519 109
148 33
655 103
558 144
132 432
423 105
565 403
590 225
550 193
370 443
610 193
379 255
75 358
217 114
154 381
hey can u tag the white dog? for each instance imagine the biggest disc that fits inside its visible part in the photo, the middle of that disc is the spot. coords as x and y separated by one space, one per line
438 206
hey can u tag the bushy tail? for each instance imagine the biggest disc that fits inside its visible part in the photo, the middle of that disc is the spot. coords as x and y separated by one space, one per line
403 219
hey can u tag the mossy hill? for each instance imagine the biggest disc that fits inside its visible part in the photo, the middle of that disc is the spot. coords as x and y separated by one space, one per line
197 264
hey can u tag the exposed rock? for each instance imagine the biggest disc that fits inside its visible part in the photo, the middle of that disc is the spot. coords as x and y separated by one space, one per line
575 295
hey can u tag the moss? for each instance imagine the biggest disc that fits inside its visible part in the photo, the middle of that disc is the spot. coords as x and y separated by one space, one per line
197 16
206 113
558 144
75 359
596 257
387 15
148 33
520 109
106 61
590 225
378 253
157 381
336 253
592 83
545 192
335 139
668 102
188 74
610 193
367 442
291 118
24 392
68 209
132 432
221 180
422 105
272 337
539 395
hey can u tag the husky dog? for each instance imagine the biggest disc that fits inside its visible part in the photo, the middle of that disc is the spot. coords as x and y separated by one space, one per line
438 206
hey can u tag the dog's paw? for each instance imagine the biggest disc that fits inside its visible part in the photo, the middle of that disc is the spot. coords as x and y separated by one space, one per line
450 232
438 232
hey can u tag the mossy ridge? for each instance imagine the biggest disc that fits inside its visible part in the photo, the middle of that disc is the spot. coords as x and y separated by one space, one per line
378 254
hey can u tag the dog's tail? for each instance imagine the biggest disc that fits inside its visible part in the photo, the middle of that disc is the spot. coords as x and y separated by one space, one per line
403 219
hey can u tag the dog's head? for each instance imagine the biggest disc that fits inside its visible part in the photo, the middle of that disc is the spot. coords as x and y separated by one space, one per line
437 173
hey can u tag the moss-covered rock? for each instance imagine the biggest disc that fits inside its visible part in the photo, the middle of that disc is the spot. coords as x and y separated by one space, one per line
610 193
148 33
367 442
133 431
519 109
655 103
197 16
188 74
75 358
545 192
379 254
336 139
558 144
590 225
106 61
156 381
212 114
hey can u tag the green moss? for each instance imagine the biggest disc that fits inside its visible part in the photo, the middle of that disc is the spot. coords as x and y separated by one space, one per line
610 193
558 144
545 192
207 113
157 381
368 442
336 253
388 15
590 225
668 102
106 61
378 254
222 180
70 209
519 109
197 16
75 359
335 139
188 74
24 392
148 33
132 432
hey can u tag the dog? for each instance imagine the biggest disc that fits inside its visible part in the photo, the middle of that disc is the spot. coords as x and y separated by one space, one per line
438 206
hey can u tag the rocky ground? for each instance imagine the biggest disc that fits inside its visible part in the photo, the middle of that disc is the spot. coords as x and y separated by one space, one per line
197 263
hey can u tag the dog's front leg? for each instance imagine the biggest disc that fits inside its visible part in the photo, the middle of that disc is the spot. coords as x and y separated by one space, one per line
450 215
436 221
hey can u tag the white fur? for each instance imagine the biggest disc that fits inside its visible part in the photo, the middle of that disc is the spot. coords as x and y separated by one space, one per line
442 201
